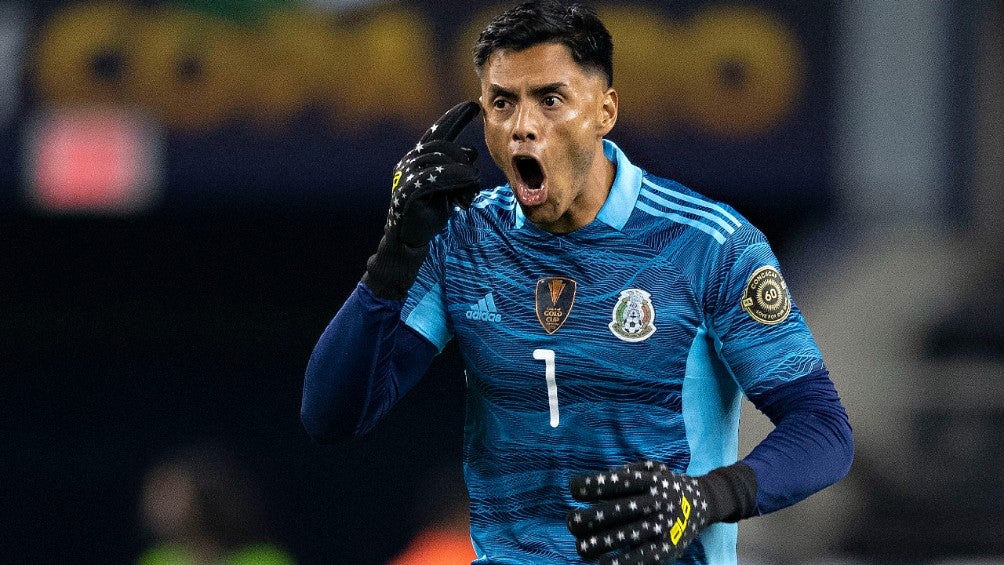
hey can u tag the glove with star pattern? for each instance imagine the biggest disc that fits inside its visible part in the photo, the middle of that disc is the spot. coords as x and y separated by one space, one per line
646 514
429 181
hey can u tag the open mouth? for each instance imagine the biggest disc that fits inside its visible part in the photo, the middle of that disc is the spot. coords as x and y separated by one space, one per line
530 185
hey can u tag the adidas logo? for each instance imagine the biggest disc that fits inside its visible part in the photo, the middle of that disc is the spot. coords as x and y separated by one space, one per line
484 310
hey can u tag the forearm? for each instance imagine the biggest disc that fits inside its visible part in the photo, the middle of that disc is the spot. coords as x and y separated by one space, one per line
365 360
810 448
654 513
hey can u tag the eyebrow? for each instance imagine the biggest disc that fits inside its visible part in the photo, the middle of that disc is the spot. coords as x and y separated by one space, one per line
496 90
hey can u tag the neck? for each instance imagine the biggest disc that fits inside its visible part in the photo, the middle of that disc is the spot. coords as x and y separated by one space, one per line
598 181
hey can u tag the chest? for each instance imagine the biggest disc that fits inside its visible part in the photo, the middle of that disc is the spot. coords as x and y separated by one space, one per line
609 309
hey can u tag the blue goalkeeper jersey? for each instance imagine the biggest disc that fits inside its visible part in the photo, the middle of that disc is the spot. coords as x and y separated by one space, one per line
631 338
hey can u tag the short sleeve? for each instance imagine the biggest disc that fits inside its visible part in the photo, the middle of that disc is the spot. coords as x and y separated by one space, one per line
760 333
425 306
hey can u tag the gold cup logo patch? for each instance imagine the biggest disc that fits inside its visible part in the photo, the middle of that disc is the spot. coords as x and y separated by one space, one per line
553 301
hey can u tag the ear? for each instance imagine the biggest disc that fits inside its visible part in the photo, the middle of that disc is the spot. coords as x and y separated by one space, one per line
608 112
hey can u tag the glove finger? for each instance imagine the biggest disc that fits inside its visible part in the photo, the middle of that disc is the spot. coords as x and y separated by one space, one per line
459 153
612 484
428 205
605 515
450 124
463 197
647 466
423 223
442 180
652 553
470 152
445 153
625 536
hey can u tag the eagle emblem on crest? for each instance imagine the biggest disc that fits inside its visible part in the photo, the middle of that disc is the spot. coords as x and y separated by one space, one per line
633 317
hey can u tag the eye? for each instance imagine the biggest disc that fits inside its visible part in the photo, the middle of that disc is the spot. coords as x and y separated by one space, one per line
550 101
500 103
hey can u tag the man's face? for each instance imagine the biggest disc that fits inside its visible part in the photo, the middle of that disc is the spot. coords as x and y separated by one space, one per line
545 117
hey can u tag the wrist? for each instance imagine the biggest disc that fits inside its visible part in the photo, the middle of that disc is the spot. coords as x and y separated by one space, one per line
391 271
731 493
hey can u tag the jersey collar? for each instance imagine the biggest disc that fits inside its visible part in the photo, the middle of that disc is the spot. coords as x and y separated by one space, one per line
623 193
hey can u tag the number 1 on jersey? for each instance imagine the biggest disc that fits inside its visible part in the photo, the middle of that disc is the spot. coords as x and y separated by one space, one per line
547 356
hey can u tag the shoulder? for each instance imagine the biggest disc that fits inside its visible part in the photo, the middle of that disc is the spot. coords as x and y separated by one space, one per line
671 214
703 238
496 204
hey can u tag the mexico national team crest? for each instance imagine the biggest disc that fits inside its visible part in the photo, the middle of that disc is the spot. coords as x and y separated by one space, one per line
633 318
766 298
553 300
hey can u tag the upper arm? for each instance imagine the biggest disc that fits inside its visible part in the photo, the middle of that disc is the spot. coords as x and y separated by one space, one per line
761 334
425 309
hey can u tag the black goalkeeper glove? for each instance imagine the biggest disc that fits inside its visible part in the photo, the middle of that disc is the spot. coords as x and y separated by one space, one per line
645 514
432 178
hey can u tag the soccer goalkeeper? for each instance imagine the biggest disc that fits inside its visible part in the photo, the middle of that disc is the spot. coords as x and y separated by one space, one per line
610 322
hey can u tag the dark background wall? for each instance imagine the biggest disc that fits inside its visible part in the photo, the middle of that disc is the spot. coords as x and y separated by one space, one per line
125 338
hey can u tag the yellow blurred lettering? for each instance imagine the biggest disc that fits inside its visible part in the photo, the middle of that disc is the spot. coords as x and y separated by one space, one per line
729 70
680 526
195 72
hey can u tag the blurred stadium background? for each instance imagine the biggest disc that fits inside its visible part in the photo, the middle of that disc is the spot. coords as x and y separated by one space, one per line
189 189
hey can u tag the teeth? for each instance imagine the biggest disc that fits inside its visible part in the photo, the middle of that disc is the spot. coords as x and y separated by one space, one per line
529 170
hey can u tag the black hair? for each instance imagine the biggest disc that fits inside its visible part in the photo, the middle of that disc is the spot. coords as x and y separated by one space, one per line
575 26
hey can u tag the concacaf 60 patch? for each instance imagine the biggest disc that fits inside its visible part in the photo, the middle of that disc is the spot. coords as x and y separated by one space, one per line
766 298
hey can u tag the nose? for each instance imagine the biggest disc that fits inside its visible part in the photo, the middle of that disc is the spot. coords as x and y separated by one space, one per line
524 126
